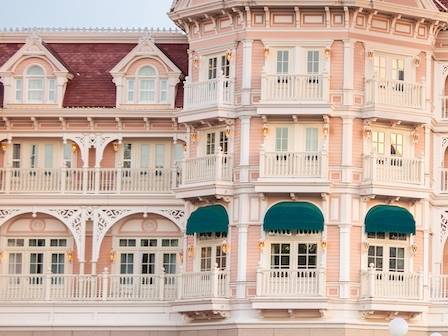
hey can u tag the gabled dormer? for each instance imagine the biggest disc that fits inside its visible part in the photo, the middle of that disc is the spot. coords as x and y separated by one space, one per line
146 77
34 76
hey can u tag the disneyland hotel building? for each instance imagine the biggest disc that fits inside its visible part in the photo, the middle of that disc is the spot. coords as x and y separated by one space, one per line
271 168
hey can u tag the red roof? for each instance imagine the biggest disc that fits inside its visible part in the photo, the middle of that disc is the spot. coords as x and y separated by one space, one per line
90 64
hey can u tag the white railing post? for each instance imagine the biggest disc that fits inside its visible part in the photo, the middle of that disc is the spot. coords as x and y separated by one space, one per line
325 87
105 284
85 179
162 285
220 89
321 281
324 165
259 290
119 177
219 165
8 179
215 281
179 282
423 104
47 284
63 178
422 294
174 172
371 274
262 162
97 174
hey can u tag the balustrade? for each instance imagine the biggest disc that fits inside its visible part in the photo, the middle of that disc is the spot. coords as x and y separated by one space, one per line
393 169
86 180
395 93
212 92
294 88
208 168
290 283
114 287
292 164
392 285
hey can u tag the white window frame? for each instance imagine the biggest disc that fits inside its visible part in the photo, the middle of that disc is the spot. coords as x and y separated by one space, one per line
387 244
407 148
23 88
214 242
134 87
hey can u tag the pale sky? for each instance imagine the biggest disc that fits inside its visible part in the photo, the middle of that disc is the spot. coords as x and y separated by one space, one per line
85 13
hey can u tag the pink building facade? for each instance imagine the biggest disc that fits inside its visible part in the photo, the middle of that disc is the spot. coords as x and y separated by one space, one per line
274 168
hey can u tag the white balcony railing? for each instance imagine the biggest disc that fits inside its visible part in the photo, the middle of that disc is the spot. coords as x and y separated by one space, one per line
114 287
211 284
293 164
392 285
208 168
393 169
213 92
85 180
395 93
439 287
286 283
294 88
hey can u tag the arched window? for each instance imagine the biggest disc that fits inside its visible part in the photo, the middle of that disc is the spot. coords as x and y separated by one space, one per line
38 87
35 82
147 87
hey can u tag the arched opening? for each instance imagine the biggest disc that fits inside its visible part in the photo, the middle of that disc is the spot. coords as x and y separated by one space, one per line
35 245
140 250
444 269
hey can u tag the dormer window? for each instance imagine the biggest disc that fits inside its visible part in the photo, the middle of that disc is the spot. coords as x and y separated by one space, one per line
35 87
147 87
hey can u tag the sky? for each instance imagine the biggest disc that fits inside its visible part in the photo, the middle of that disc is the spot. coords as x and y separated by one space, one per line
85 13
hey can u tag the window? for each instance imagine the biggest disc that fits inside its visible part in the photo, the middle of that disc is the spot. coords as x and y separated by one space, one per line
144 156
48 156
36 243
223 142
169 263
280 256
307 256
35 78
398 69
378 144
148 263
52 90
387 251
282 62
68 155
313 59
127 263
281 139
160 156
128 243
15 263
147 87
206 259
127 156
396 144
221 258
57 263
19 90
36 263
380 67
213 68
33 156
16 155
312 139
58 242
210 146
225 66
16 242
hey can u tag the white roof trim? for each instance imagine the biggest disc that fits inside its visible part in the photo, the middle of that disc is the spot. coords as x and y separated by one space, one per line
147 48
34 48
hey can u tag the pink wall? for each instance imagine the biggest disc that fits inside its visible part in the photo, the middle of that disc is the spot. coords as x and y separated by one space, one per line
335 146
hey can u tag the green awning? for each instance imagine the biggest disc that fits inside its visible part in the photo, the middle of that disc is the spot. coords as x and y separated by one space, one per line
208 219
294 217
389 218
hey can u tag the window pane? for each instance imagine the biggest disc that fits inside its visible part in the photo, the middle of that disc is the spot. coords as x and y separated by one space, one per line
312 139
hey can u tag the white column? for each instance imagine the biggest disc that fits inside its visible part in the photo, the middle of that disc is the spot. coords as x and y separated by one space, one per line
427 155
347 149
348 72
344 246
243 218
426 218
428 75
247 73
244 148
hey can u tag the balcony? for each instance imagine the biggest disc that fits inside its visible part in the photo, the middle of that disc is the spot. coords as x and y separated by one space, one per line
391 292
392 175
85 181
206 175
115 287
290 290
310 92
439 288
208 99
293 172
384 98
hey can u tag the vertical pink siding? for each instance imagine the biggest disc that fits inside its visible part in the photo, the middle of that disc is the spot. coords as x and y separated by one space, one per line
256 139
108 157
104 257
257 64
355 253
357 142
335 146
332 253
253 252
359 66
337 66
